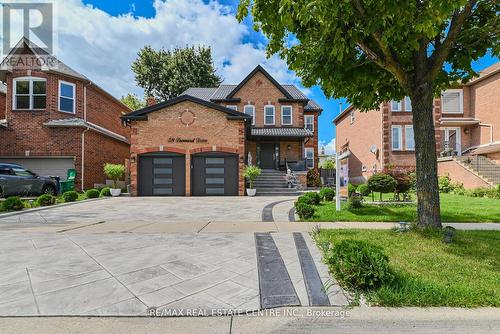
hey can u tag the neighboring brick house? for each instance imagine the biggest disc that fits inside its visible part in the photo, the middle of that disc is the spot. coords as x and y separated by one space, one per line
199 142
467 122
57 119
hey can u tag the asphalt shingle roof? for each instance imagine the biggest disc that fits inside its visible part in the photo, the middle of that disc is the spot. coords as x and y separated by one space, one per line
281 132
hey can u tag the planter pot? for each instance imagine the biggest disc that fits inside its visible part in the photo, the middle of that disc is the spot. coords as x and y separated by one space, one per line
251 192
115 192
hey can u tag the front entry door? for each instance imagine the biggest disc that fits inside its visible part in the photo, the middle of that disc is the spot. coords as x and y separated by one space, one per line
267 156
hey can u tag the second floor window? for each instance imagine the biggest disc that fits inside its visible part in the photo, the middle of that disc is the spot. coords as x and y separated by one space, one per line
66 97
407 104
397 138
409 138
452 101
269 115
286 115
235 108
30 94
250 110
396 106
309 122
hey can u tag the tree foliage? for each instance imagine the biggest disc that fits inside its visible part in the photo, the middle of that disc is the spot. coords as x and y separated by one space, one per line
165 74
132 101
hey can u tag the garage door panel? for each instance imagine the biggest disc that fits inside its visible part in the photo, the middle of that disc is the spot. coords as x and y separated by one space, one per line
215 174
162 174
53 166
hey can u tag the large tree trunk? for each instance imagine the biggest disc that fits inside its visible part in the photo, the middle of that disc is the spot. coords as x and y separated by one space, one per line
425 152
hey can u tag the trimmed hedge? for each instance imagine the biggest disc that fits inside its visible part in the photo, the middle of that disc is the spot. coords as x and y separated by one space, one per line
311 198
304 210
70 196
355 202
359 265
363 189
92 193
105 192
327 194
46 200
13 203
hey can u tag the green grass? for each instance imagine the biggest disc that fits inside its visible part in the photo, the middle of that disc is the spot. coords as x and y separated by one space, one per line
454 208
432 273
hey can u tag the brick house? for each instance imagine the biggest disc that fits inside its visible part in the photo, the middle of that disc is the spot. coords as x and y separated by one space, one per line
200 142
55 119
467 122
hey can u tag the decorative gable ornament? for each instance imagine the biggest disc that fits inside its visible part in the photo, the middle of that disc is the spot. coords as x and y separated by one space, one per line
187 117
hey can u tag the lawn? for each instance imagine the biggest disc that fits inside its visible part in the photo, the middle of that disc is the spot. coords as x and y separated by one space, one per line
432 273
454 208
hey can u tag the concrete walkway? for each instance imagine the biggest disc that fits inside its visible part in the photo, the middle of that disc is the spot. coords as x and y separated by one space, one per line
296 320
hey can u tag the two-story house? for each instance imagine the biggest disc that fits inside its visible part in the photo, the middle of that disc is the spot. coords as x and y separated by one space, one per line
200 142
467 123
55 119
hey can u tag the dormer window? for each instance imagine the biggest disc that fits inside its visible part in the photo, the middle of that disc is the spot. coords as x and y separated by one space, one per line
66 97
30 93
269 115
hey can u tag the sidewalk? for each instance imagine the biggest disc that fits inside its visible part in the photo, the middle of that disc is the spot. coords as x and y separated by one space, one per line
302 320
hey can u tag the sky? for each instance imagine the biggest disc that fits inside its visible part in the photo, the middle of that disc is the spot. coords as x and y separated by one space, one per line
101 38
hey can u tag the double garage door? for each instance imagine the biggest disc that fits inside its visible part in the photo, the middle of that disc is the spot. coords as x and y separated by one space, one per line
164 174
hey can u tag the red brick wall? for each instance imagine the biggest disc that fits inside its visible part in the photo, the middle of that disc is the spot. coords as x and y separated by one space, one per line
485 104
221 134
3 105
458 173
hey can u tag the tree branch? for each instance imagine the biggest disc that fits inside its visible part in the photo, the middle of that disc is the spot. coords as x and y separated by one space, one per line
443 49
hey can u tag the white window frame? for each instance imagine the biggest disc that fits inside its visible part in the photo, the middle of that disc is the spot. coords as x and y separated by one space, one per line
407 102
253 111
30 92
232 106
460 101
400 105
406 138
400 138
274 114
312 122
309 149
291 115
60 96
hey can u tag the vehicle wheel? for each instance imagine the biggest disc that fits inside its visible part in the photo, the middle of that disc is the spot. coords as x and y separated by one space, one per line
50 190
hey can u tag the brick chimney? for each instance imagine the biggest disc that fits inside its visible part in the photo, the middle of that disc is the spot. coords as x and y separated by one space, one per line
150 101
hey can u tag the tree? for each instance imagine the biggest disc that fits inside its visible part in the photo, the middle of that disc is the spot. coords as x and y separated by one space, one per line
382 183
375 51
132 101
165 74
328 164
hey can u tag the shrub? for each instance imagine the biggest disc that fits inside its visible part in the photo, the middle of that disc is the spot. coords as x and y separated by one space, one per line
92 193
363 189
114 172
382 183
402 177
304 210
351 189
445 185
251 173
314 197
46 200
413 180
327 194
354 202
313 179
359 265
13 203
105 192
70 196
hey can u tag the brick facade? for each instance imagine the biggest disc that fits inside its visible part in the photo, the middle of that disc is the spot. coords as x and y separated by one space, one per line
27 135
3 105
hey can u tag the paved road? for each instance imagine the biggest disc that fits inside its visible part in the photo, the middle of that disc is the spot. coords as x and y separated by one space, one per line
303 320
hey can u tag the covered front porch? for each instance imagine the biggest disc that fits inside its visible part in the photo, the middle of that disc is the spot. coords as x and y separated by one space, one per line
280 148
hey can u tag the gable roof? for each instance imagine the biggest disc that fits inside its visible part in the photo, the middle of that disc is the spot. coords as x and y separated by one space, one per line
486 73
141 114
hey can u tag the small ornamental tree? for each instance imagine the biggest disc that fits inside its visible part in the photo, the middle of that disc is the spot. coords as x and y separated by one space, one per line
403 179
251 173
114 172
372 52
382 183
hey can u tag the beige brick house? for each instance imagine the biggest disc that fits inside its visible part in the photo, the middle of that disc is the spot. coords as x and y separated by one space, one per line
467 122
199 143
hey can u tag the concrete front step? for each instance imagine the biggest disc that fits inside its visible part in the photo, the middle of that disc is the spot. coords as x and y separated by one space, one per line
276 191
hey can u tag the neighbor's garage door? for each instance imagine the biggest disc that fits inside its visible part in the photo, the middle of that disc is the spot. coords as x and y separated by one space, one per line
54 166
162 174
215 174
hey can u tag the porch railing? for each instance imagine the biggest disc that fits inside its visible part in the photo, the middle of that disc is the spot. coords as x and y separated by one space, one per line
484 167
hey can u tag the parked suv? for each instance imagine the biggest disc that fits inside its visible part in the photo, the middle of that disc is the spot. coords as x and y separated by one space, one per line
17 180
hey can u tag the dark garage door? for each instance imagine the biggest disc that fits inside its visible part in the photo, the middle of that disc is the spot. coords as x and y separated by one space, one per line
215 174
162 174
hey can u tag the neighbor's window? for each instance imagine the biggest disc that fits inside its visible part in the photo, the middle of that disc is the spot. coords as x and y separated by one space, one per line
353 117
395 105
397 138
409 138
452 102
286 115
30 93
269 115
235 108
309 122
66 97
309 155
407 103
250 110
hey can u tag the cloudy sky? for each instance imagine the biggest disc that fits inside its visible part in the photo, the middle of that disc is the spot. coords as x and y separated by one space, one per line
101 38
